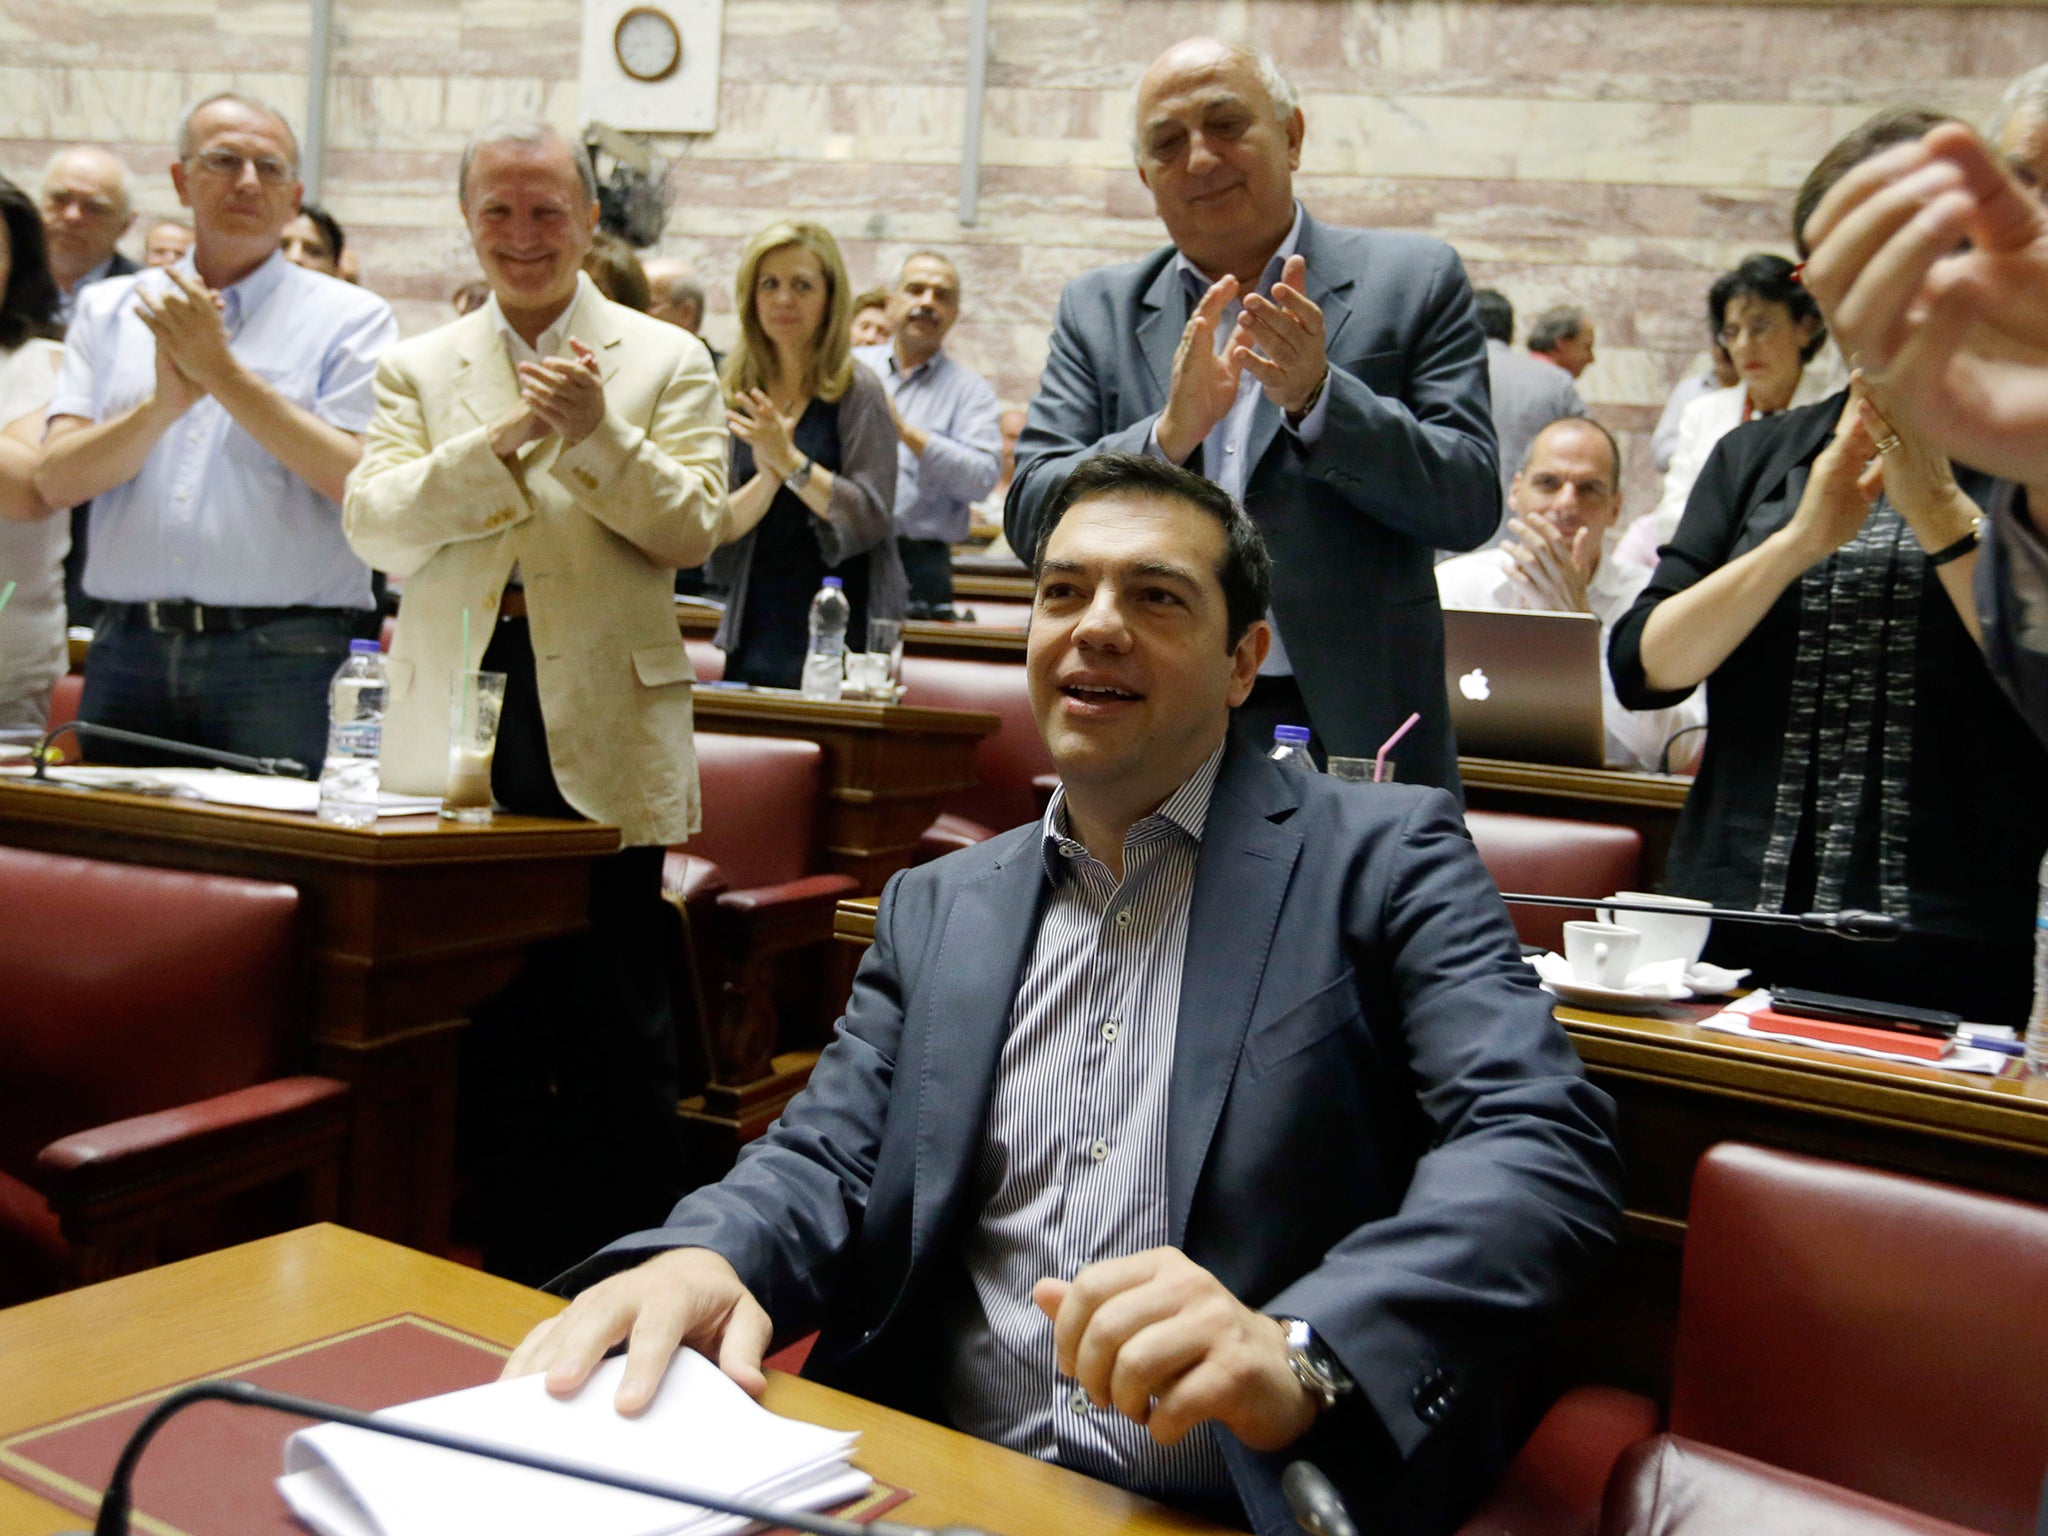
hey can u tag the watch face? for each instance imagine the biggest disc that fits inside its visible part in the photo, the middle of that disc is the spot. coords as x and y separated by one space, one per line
647 44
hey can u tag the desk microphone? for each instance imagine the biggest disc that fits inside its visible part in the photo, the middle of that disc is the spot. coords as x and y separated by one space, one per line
112 1519
1852 923
274 767
1314 1501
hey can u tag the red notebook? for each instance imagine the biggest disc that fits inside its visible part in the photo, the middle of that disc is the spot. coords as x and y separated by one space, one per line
1827 1032
212 1470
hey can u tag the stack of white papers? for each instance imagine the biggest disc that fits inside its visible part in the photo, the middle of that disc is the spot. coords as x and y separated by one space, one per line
223 786
701 1432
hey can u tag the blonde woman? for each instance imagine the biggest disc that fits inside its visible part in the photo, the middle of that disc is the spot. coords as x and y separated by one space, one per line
813 461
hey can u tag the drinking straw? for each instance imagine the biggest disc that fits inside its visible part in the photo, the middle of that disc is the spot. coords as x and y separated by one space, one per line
1379 761
5 593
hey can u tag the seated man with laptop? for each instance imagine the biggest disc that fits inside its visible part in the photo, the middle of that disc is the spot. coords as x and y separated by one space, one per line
1548 697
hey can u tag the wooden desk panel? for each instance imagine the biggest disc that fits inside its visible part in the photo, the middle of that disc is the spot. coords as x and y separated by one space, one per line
889 768
70 1353
1649 802
411 924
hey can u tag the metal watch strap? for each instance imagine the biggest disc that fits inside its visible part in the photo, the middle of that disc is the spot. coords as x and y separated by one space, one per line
802 475
1318 1370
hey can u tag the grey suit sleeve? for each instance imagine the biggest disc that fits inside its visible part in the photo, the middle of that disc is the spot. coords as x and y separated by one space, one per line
1517 1198
861 511
1426 464
1069 420
786 1215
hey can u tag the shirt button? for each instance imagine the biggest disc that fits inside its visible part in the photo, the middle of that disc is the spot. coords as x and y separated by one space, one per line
1069 851
1123 918
1079 1401
1100 1150
1112 1029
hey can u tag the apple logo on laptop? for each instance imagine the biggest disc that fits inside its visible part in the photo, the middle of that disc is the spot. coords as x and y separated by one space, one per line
1474 685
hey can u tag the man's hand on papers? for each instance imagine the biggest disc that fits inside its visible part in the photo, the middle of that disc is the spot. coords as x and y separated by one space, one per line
1204 380
688 1296
185 320
1159 1338
568 397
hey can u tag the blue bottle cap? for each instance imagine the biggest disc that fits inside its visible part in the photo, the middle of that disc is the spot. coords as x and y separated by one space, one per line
834 582
364 648
1291 735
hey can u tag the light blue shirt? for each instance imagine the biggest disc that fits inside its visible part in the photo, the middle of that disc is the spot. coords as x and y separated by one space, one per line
213 517
1226 448
963 457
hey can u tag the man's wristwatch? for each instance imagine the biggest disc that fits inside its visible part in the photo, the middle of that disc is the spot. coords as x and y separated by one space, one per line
1315 1367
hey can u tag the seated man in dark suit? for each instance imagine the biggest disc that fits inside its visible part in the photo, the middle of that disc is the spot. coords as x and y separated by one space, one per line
1211 1122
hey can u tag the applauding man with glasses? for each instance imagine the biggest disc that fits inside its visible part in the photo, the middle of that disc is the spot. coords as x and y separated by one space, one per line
212 411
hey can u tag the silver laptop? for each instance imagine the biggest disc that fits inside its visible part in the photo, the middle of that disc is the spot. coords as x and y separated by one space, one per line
1525 686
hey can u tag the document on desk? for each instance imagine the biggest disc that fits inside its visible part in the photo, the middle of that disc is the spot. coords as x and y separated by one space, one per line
701 1431
223 786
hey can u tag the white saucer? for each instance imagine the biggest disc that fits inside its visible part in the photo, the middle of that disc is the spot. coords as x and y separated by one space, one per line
1606 999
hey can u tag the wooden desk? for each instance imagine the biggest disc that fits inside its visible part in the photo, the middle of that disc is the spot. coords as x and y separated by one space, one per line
889 768
1001 587
110 1342
411 924
923 637
1649 802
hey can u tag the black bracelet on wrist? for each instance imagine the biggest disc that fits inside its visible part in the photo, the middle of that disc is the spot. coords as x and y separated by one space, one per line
1955 551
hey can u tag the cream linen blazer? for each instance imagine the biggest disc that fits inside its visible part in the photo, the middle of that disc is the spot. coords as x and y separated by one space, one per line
598 531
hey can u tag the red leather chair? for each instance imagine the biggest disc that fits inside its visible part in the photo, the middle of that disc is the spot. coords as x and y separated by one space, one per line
1552 856
146 1040
64 698
708 661
1671 1486
750 893
1885 1335
1006 762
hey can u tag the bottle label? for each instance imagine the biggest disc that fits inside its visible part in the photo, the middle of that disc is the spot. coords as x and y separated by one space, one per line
357 738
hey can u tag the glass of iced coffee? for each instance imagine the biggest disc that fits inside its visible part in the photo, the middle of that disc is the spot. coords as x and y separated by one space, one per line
475 700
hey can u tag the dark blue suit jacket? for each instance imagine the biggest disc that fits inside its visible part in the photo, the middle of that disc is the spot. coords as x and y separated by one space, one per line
1406 464
1374 1124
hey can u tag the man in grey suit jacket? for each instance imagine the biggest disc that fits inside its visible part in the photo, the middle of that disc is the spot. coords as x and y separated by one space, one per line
1212 1122
1343 401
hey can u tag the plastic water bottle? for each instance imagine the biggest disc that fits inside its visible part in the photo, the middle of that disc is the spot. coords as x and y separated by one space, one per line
825 663
355 735
2037 1020
1290 748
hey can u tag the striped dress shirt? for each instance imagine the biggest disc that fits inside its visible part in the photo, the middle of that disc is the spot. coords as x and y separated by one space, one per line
1072 1166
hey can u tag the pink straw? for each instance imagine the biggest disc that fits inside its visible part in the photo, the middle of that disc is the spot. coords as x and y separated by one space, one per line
1379 761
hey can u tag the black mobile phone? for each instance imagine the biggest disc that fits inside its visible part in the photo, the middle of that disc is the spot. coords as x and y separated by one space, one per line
1935 1022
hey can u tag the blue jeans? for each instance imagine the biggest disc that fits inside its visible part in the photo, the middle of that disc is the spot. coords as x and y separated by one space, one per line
260 691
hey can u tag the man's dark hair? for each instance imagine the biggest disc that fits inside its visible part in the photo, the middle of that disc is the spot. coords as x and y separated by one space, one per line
1496 314
1246 573
1894 125
1554 326
29 306
1770 279
329 227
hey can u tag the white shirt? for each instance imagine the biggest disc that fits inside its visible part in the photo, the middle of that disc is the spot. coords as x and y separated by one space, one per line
32 650
1635 737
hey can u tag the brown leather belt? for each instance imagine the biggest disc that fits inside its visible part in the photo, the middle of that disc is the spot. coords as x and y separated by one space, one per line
513 604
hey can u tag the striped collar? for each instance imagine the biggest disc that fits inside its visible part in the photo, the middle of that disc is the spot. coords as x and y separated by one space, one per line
1186 808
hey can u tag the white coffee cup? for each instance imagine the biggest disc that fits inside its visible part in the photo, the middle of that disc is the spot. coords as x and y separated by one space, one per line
1601 954
1673 937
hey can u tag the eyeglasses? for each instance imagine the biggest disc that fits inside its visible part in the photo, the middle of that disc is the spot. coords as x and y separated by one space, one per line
56 201
1756 330
226 164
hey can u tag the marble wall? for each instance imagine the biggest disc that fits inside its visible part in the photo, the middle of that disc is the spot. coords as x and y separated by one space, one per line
1615 156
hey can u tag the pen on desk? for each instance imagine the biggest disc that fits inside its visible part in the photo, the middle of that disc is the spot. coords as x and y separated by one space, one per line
1991 1043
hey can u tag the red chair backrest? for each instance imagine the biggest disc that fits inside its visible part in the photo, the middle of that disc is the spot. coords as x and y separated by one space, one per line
761 798
1550 856
1007 761
126 989
1884 1333
707 660
64 699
